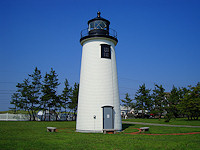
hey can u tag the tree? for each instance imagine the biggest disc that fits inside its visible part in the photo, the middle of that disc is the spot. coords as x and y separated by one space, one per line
50 100
73 103
25 93
190 103
143 99
35 87
173 100
127 102
28 94
15 100
65 96
159 100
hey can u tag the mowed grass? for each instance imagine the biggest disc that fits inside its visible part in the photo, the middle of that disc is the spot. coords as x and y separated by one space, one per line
160 129
33 135
177 121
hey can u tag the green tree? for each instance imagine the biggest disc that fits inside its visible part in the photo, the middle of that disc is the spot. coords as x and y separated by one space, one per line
65 96
127 102
159 100
173 100
34 92
29 93
27 96
25 91
73 103
15 100
50 100
143 99
190 103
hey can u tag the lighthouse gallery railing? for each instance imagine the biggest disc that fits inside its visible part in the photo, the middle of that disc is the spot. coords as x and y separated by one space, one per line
112 32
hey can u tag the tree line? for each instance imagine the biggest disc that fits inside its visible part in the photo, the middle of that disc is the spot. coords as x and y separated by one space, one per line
179 102
40 93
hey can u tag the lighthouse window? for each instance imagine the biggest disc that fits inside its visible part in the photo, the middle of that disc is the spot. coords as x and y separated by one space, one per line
105 51
100 25
91 26
97 25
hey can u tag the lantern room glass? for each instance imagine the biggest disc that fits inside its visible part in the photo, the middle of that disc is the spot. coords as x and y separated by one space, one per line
97 24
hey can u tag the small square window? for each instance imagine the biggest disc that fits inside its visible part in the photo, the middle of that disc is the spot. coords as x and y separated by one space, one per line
105 51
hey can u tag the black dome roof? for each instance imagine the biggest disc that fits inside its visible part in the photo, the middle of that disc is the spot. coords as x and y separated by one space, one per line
99 18
98 27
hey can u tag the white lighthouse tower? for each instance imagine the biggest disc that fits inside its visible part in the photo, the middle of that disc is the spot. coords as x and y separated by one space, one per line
98 102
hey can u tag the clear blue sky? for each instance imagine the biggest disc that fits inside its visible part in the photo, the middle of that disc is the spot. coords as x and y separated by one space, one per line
159 41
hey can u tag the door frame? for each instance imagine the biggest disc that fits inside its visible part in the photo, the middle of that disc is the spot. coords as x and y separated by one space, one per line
112 115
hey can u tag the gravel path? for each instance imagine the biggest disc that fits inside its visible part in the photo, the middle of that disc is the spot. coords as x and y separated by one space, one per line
155 124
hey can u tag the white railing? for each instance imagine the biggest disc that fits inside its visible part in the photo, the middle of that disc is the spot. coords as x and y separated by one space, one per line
112 32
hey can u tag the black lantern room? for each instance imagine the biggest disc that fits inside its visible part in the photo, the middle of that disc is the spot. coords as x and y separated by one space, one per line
98 27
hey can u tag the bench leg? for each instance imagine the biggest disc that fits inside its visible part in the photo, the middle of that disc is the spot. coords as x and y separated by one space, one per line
50 130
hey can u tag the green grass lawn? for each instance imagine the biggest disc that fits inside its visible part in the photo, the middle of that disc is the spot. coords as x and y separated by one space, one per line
33 135
177 121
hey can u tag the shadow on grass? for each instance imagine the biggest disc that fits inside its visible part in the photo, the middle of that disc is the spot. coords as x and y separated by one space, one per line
125 126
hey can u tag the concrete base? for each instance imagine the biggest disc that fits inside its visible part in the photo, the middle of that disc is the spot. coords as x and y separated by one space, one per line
109 131
89 131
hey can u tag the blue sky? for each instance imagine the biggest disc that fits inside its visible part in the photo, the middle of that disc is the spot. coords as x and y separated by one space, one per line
159 41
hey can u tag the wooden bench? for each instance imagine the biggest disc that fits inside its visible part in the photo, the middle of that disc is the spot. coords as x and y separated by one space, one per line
109 131
143 129
51 129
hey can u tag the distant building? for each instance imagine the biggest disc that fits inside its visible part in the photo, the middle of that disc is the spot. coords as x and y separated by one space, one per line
125 110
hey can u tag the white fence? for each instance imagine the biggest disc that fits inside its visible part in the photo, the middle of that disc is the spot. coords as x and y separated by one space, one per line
52 117
14 117
25 117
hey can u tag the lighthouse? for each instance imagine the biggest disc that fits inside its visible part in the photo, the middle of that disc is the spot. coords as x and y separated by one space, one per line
98 101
